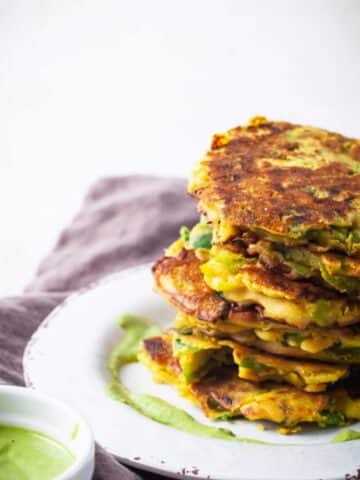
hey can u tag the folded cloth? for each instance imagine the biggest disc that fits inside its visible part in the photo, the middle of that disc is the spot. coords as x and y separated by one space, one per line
123 222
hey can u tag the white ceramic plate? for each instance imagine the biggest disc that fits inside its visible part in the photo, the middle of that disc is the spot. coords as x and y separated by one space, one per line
67 358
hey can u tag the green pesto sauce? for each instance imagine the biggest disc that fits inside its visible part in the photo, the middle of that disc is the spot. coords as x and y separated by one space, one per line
135 330
346 436
29 455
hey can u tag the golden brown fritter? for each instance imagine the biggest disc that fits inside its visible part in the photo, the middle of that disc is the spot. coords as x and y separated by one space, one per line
289 182
198 354
193 286
180 281
222 394
225 392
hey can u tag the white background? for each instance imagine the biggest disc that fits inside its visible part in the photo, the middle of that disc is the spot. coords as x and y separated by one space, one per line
93 88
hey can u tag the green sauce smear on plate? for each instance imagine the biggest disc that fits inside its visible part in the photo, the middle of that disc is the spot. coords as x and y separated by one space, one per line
346 436
29 455
135 330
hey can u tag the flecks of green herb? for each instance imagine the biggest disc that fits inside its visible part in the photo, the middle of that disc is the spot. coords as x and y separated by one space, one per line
332 419
184 233
253 365
316 192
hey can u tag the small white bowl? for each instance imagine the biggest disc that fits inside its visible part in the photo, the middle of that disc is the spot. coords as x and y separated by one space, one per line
23 407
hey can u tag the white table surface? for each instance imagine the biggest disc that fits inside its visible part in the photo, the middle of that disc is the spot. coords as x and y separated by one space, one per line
94 88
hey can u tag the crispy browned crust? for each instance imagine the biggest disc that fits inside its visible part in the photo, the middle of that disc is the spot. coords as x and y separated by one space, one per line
224 387
293 289
160 351
157 349
281 404
180 281
248 191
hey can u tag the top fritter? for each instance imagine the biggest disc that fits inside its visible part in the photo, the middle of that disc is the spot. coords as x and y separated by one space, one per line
288 183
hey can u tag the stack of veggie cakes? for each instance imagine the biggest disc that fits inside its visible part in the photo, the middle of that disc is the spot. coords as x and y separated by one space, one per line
267 284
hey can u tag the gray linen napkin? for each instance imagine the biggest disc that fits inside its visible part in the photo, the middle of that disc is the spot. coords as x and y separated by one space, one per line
123 222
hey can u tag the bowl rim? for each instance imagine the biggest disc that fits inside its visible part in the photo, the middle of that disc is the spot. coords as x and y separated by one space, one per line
86 457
